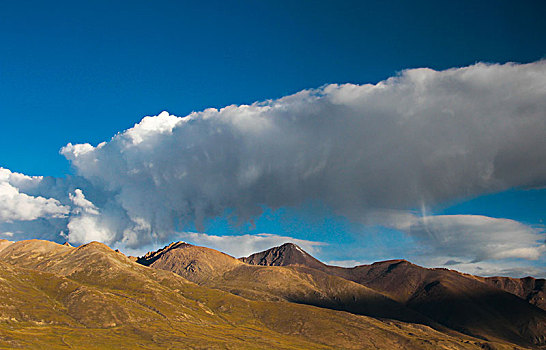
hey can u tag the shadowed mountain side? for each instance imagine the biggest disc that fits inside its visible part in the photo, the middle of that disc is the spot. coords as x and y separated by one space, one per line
462 302
91 297
531 289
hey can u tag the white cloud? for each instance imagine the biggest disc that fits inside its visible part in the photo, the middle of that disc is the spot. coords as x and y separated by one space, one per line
15 205
85 229
81 203
424 136
151 126
85 223
477 237
244 245
511 268
346 263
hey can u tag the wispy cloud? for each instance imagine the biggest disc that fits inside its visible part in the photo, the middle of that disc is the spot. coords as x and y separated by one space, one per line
511 267
477 238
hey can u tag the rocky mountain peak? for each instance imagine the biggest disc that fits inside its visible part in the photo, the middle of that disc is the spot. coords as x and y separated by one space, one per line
284 255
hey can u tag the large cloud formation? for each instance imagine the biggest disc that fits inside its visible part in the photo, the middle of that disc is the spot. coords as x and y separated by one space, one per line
368 152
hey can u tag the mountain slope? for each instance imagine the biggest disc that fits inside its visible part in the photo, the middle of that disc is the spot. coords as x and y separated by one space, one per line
462 302
92 297
284 255
533 290
459 301
195 263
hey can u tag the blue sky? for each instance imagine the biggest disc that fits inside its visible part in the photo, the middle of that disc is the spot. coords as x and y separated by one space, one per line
73 72
71 67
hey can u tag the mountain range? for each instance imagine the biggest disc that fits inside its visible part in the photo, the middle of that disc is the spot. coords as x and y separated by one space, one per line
186 296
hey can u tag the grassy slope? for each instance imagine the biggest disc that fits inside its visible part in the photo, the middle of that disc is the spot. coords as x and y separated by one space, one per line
94 298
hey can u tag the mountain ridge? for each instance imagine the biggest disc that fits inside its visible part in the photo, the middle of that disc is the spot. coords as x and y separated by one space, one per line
452 298
528 288
92 297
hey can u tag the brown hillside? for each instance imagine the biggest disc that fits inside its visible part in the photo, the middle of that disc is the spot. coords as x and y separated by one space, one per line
531 289
91 297
198 264
461 302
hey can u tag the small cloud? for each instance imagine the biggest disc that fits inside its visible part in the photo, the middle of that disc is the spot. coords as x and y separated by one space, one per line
345 263
452 262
